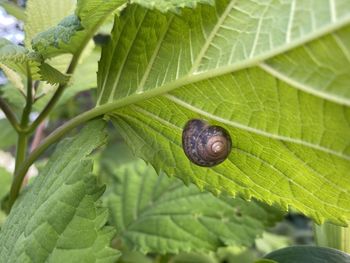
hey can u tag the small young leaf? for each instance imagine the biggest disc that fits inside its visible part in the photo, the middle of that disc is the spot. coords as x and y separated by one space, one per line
162 215
52 75
58 218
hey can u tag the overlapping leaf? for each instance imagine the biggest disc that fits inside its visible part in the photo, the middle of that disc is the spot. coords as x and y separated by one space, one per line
59 219
73 33
307 254
159 214
44 14
237 65
17 58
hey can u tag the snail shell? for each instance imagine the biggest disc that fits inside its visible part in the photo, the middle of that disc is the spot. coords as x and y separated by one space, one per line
205 145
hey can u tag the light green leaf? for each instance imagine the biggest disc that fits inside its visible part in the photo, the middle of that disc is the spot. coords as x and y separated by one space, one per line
73 33
308 254
58 218
13 9
291 146
162 215
13 96
13 77
84 78
17 57
44 14
170 5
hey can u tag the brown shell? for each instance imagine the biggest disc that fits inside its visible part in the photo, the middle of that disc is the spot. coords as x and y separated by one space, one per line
205 145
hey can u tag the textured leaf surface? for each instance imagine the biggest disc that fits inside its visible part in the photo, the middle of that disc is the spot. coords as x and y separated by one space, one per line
73 32
58 218
52 75
44 14
17 57
237 65
159 214
170 5
308 254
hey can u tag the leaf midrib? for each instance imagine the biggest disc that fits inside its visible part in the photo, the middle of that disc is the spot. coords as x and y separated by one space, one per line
196 76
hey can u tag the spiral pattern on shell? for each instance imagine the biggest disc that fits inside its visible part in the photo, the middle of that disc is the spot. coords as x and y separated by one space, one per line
204 144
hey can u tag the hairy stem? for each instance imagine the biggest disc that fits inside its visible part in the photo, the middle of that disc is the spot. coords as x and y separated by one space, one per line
22 142
10 115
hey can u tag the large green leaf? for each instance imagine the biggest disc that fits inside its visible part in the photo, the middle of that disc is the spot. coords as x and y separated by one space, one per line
307 254
162 215
59 217
170 5
73 33
236 65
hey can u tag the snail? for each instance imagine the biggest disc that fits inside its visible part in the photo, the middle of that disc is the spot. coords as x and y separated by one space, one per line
204 144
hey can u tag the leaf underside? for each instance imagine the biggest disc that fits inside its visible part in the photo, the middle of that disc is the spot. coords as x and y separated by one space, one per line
59 218
159 214
274 74
308 254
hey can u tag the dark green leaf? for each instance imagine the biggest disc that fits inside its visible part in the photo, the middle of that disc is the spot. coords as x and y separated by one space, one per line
162 215
58 218
308 254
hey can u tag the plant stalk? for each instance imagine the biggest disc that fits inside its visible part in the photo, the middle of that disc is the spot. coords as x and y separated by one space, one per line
330 235
21 150
57 95
22 142
10 115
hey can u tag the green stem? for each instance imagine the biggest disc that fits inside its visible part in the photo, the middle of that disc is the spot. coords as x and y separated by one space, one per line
329 235
22 142
10 115
57 95
21 151
29 100
88 115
